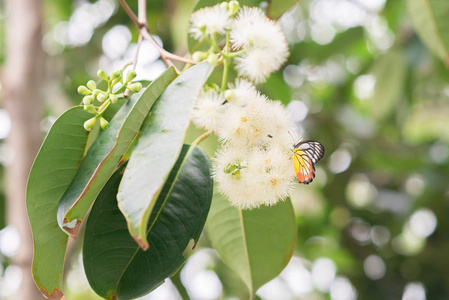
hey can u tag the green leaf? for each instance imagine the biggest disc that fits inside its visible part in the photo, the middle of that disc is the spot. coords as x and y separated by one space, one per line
427 122
53 170
157 149
277 8
105 154
429 18
257 244
390 71
115 266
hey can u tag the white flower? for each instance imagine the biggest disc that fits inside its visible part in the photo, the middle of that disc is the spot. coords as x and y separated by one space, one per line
231 175
245 28
245 121
251 119
266 45
208 111
271 173
242 91
209 20
280 126
252 178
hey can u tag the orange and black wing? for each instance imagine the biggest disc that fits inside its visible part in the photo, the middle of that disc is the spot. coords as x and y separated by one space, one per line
305 155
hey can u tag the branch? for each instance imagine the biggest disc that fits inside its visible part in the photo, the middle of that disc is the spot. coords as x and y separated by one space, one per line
141 23
142 12
130 13
164 53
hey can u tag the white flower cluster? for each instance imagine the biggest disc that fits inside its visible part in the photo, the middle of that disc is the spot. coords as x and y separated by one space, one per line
267 48
254 166
262 44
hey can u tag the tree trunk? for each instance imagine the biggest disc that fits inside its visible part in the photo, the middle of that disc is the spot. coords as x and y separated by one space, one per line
22 82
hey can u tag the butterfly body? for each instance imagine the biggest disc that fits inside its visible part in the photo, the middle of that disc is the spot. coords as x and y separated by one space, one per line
305 155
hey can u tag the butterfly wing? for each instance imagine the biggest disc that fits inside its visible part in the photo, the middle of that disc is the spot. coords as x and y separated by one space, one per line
305 155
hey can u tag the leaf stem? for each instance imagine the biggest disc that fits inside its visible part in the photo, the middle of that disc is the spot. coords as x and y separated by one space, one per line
202 137
226 62
136 55
233 54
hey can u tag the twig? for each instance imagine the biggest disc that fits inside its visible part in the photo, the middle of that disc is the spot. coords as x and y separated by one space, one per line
142 24
142 12
164 53
136 55
130 13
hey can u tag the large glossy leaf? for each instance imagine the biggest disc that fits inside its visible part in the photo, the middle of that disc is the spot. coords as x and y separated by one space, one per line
430 21
158 147
105 154
257 244
115 266
52 171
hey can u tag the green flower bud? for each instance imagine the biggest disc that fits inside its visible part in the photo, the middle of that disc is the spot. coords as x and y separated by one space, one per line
115 81
116 74
233 7
91 85
134 87
212 59
102 75
82 90
130 76
96 92
229 94
103 123
102 96
113 98
90 109
89 124
224 5
199 55
88 99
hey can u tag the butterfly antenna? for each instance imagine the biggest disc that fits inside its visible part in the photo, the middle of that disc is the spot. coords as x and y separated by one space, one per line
292 140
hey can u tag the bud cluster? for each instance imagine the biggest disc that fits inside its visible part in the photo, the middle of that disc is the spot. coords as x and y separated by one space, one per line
105 97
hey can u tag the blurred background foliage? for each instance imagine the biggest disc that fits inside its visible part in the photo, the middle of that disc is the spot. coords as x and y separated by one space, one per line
359 80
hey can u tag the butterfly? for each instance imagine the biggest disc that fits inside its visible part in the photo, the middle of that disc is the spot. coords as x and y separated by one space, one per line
305 155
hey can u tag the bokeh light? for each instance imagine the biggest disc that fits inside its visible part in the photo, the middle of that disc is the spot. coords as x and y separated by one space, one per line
9 241
199 280
342 289
374 267
5 124
323 273
414 291
340 161
423 222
